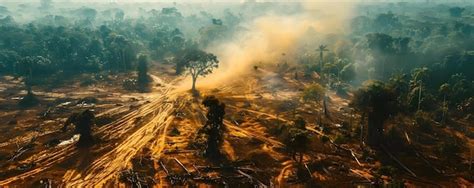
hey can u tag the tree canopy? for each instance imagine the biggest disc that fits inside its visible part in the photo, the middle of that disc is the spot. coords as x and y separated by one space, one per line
199 63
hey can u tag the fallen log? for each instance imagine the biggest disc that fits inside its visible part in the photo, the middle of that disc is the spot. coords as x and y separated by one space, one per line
471 158
173 178
164 168
182 166
398 161
353 155
46 113
208 179
258 182
235 122
27 166
196 169
22 149
176 151
134 178
228 168
334 144
420 156
309 171
359 174
18 153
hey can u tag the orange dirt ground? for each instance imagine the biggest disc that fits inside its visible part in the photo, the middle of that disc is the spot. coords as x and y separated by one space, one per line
138 131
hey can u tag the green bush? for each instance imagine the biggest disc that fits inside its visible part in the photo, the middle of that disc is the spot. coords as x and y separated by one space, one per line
314 92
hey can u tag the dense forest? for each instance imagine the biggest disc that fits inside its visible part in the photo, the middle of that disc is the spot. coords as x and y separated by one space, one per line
302 85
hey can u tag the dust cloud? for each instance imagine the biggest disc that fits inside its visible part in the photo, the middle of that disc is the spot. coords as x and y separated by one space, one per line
275 38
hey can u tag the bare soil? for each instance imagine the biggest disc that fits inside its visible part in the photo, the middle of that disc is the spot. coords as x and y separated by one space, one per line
139 133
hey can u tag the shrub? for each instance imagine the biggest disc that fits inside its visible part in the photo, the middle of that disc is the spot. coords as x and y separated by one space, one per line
130 84
423 121
341 89
448 148
314 92
324 139
387 171
341 139
394 138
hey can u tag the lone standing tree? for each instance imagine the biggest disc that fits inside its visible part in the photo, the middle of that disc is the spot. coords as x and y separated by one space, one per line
444 90
214 127
419 75
298 139
83 122
30 68
321 49
143 79
199 63
379 102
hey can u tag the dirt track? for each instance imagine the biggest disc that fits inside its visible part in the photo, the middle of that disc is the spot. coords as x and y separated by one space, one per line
131 136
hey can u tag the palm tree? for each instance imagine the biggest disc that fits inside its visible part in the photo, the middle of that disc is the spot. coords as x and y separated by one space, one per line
398 83
444 89
322 49
418 75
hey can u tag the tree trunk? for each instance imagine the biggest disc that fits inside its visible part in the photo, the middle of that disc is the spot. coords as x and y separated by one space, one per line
362 121
350 119
383 68
326 112
443 120
123 60
28 89
194 84
320 120
321 63
301 157
374 129
419 97
28 81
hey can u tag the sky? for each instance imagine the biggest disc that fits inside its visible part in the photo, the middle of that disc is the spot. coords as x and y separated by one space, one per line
180 1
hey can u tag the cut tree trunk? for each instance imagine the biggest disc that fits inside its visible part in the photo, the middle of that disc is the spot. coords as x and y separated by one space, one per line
374 129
